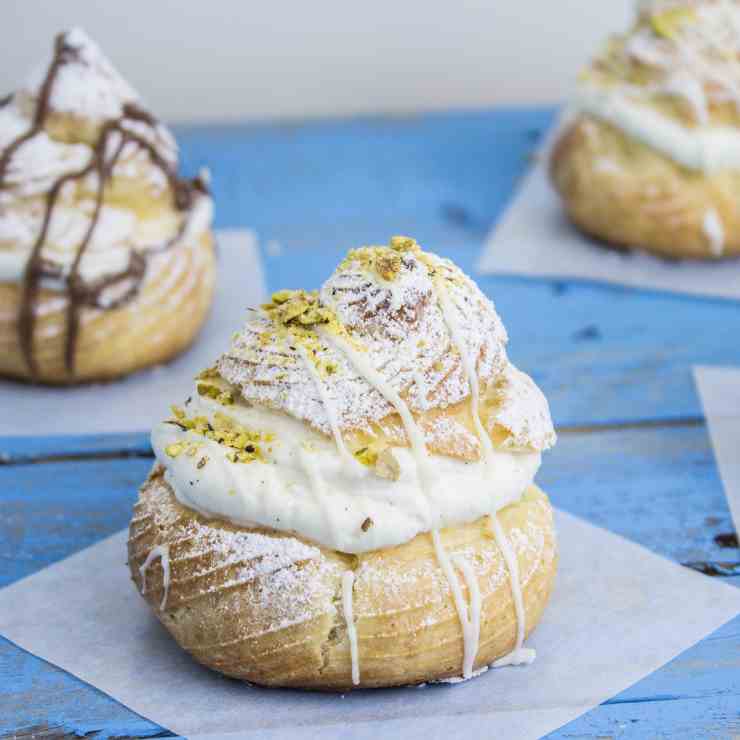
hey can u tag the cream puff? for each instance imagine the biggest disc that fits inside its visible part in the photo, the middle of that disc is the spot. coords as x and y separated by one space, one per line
347 497
106 254
650 155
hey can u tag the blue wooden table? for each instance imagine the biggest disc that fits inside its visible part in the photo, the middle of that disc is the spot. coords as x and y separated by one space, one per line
634 454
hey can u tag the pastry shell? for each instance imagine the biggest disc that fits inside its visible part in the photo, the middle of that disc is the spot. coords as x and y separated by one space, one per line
265 607
156 325
623 192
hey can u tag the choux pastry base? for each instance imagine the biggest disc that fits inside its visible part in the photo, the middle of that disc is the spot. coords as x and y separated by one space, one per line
621 191
284 626
158 324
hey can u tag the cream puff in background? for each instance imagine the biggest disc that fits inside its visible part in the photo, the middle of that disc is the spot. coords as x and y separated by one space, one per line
106 254
650 158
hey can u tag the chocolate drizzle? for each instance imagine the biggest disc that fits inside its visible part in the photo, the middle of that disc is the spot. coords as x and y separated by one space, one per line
80 294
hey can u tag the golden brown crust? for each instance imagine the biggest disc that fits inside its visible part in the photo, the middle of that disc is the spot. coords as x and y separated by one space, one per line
265 607
157 325
623 192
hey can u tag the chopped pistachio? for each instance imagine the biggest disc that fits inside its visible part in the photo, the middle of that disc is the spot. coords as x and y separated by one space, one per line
388 266
404 244
209 373
294 309
298 309
668 22
216 392
174 449
367 456
366 524
244 445
281 296
202 462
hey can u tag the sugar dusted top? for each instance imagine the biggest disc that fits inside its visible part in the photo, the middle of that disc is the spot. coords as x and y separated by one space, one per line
382 300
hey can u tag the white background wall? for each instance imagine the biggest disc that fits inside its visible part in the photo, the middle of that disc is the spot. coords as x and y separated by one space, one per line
228 59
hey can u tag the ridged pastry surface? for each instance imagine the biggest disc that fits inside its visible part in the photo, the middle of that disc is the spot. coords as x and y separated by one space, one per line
650 154
376 434
92 215
265 607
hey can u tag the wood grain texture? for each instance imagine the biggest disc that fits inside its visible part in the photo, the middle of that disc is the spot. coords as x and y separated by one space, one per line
603 355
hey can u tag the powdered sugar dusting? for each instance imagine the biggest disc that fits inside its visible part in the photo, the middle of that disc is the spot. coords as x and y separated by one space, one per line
522 410
400 329
206 557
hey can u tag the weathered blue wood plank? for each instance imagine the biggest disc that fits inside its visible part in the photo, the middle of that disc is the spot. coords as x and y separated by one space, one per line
696 695
27 449
317 184
657 486
50 511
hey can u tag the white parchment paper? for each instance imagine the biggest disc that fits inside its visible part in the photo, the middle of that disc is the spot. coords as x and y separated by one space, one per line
136 403
535 238
719 389
618 613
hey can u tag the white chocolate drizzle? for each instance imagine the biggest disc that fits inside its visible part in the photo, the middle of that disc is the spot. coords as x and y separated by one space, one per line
413 432
714 232
348 582
448 311
519 655
163 553
419 450
329 409
474 613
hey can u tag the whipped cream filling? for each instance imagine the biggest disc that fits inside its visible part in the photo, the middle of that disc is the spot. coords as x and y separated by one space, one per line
306 487
704 148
